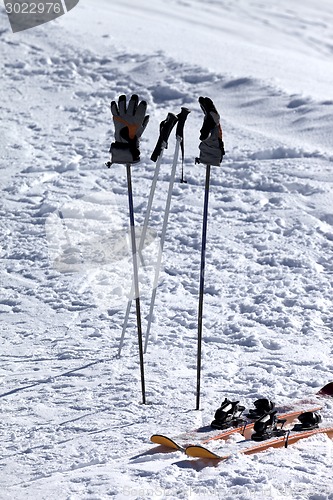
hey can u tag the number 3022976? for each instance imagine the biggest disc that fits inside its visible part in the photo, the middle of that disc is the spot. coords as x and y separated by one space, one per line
33 8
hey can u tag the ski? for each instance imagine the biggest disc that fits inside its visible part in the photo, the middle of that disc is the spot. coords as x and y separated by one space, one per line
166 441
204 435
198 451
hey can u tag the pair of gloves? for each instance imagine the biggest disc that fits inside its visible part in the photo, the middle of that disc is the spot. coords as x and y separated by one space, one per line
130 122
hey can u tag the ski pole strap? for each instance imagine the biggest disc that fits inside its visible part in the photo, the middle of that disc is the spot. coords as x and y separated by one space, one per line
166 127
180 128
286 439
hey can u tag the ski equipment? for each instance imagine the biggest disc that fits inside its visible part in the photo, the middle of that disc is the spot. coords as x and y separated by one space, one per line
326 391
206 434
166 127
211 146
284 441
182 116
308 421
229 414
267 427
181 120
310 417
136 282
202 285
261 408
211 153
130 123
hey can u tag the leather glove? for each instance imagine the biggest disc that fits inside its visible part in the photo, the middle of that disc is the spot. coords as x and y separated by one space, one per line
130 123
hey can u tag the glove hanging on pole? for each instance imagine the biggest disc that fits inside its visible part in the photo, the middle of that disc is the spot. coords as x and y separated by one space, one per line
211 145
211 153
130 123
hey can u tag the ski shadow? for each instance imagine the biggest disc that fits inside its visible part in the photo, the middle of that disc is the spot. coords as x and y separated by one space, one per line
160 449
205 428
198 464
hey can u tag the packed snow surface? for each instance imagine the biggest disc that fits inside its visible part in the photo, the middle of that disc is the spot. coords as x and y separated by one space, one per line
73 426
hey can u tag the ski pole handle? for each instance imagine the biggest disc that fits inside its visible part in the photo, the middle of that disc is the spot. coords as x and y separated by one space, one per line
181 122
166 127
182 116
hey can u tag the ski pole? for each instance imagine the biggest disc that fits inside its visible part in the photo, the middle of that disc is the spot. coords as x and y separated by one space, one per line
141 244
180 133
211 154
160 250
165 129
179 138
136 280
202 284
182 178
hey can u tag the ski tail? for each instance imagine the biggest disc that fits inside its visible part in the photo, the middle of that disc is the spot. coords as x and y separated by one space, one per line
326 391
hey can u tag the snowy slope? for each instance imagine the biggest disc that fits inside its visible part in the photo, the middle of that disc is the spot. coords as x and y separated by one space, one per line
72 425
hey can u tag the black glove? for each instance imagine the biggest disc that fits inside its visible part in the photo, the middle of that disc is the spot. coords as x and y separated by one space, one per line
211 146
129 124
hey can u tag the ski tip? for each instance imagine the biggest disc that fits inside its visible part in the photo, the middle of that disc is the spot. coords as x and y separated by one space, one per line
327 390
165 441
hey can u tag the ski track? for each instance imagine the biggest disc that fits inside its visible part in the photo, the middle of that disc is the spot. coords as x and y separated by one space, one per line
72 424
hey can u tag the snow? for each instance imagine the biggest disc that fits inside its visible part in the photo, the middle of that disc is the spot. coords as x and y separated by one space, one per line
73 426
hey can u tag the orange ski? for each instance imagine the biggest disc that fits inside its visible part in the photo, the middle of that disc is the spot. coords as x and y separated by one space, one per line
205 435
198 451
